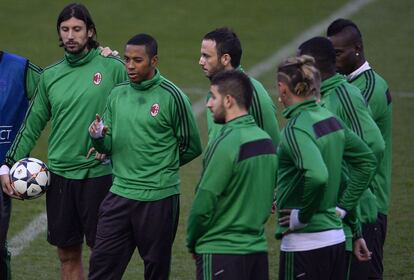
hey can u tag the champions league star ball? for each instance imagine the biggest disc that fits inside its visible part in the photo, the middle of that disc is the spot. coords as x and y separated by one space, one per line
30 177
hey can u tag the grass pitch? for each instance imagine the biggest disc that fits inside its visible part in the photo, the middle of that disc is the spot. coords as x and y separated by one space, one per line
29 29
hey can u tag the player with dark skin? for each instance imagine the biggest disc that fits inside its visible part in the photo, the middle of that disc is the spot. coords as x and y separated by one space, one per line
347 40
328 70
349 50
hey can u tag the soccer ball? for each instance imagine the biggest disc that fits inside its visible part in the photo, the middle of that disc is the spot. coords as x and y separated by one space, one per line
30 177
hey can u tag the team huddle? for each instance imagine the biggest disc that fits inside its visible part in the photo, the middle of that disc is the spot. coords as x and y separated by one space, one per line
120 131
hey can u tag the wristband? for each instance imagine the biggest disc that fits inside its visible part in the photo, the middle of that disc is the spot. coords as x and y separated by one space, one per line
294 222
340 212
4 169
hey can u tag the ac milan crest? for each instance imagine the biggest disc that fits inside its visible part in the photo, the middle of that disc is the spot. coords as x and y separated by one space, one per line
155 109
97 78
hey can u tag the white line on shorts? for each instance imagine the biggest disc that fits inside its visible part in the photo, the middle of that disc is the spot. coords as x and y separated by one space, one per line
22 240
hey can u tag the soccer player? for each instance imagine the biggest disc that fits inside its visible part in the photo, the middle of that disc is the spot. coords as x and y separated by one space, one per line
346 101
19 79
350 61
220 51
313 145
234 196
69 94
150 131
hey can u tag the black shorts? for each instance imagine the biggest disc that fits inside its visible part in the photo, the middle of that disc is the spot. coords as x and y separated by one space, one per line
232 267
348 260
72 209
5 212
327 263
125 224
362 270
377 267
374 235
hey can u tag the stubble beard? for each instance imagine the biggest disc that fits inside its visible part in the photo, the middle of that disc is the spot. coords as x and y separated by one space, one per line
219 68
79 50
219 117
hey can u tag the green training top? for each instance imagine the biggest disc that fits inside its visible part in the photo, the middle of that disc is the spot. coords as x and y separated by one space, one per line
313 145
375 91
152 131
262 109
69 94
32 79
234 196
345 100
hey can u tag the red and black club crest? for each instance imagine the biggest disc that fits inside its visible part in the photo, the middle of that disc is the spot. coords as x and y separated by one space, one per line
155 109
97 78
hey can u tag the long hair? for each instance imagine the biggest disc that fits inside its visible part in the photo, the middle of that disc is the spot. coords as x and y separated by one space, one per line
80 12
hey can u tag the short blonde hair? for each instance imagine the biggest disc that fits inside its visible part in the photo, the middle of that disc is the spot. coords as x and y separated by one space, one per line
300 75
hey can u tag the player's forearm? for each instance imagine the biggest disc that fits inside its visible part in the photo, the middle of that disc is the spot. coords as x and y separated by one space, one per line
353 221
358 183
362 167
193 149
102 145
30 131
201 213
195 230
315 183
197 227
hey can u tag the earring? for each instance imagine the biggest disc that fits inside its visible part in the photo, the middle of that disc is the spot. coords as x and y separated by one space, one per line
357 54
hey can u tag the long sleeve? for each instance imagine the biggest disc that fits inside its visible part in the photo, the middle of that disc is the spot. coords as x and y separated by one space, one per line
200 217
104 144
263 111
36 119
186 129
353 221
32 79
215 178
361 163
356 115
308 159
352 218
